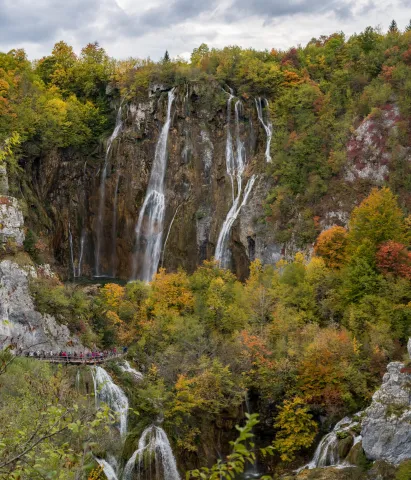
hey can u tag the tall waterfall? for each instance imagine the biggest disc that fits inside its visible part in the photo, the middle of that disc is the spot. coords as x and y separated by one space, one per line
73 267
235 163
150 224
102 193
153 458
80 259
268 126
114 228
108 392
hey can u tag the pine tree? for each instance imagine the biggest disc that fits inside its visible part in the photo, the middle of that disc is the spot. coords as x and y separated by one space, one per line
166 58
393 27
408 27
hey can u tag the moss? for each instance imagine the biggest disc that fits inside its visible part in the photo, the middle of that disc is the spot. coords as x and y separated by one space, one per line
357 457
344 446
404 471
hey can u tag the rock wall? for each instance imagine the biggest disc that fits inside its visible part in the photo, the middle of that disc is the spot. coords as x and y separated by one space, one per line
198 188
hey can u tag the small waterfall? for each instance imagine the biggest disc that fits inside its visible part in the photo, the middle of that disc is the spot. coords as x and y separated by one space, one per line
102 192
78 380
73 268
153 453
326 453
80 259
150 224
108 392
126 367
168 234
268 126
114 228
108 470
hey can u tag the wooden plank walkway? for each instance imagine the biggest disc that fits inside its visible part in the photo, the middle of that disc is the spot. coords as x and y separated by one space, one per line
76 360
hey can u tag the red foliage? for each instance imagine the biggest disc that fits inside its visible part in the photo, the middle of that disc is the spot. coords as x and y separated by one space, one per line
5 201
393 258
406 56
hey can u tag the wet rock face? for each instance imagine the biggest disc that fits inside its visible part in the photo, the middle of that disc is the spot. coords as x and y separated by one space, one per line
20 323
197 187
11 221
386 427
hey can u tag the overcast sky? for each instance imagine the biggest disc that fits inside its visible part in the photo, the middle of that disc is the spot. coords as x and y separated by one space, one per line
147 28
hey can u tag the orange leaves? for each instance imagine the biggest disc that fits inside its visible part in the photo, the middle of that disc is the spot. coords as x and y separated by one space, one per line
331 245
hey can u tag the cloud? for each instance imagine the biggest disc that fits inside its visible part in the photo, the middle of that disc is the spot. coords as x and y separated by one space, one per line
134 28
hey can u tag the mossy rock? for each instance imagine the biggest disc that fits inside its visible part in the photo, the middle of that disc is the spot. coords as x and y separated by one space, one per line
404 471
330 473
381 471
357 457
344 446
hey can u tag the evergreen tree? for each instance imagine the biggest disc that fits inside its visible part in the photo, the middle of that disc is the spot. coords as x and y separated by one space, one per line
408 27
166 58
393 28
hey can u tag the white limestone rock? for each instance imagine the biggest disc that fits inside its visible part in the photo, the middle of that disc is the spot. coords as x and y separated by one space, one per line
386 427
11 221
20 323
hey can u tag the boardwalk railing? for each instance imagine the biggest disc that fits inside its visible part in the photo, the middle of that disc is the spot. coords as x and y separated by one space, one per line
76 360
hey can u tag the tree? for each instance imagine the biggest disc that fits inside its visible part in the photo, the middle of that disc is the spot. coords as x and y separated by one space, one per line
393 257
393 28
166 58
376 220
408 27
296 428
331 245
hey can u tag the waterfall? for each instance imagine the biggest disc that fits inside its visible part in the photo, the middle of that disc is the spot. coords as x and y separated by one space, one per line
78 380
326 454
107 469
71 251
126 367
80 259
168 234
235 163
102 192
268 126
154 451
108 392
150 224
114 228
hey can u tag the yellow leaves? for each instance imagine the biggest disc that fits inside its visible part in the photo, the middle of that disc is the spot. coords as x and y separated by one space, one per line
112 294
331 245
170 294
113 318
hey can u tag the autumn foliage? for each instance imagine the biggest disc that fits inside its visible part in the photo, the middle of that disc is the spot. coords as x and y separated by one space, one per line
394 258
331 245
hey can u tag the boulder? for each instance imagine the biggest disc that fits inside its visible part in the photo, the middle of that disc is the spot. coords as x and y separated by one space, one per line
386 426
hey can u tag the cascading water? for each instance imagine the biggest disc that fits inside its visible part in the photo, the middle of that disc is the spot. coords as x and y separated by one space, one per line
80 259
326 453
126 367
235 163
267 125
71 251
150 224
108 392
108 470
114 229
102 192
153 453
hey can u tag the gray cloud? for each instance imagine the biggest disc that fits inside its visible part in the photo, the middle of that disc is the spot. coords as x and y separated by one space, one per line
181 25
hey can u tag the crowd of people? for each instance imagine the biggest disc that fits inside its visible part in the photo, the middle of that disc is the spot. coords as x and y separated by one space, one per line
69 356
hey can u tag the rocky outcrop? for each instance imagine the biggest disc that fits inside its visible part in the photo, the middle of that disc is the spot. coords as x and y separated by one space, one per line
11 221
386 427
20 323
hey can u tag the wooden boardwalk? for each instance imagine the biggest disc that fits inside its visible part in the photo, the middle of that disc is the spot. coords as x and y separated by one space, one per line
76 360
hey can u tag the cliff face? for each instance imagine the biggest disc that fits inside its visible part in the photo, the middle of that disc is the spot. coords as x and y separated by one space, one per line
88 205
67 187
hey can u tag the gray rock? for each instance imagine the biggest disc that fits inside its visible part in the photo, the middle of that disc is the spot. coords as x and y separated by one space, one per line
386 427
4 182
20 322
409 347
11 221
